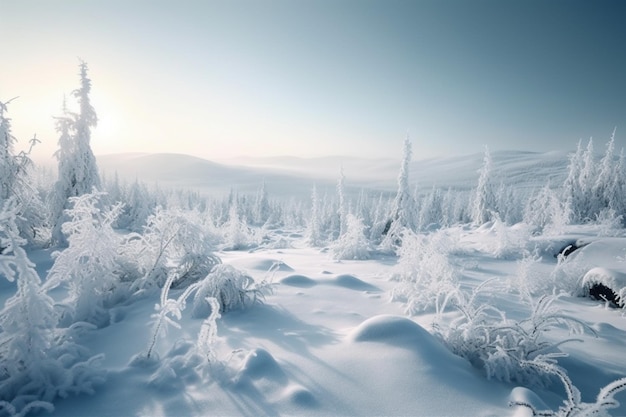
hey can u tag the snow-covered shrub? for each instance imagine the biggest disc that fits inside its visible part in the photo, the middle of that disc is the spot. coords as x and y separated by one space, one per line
233 289
173 241
236 233
609 222
567 274
352 244
573 405
208 331
39 360
501 347
88 265
545 213
167 310
529 280
427 278
510 241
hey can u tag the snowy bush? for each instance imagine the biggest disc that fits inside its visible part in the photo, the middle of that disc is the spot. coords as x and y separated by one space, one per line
88 265
545 213
173 241
352 244
39 361
233 289
573 405
426 276
235 232
167 310
510 241
501 347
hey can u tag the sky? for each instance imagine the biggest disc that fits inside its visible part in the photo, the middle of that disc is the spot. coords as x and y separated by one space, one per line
226 78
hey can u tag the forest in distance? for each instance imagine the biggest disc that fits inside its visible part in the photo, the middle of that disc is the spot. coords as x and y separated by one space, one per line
129 298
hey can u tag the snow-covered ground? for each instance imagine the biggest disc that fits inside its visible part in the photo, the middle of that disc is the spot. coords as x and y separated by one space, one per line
329 339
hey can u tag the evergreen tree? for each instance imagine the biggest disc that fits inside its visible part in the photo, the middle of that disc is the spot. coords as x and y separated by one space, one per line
343 205
572 192
16 181
483 203
78 172
314 229
8 168
606 171
403 208
261 207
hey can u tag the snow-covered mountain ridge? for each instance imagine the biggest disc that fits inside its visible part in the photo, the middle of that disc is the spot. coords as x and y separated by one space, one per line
294 176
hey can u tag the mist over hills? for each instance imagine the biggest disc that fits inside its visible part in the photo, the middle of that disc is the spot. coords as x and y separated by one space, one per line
287 176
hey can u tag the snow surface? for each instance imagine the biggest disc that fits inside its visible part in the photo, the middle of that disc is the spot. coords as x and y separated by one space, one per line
329 341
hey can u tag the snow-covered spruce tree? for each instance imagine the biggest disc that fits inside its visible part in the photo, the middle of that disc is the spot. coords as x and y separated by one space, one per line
89 264
572 193
261 207
483 200
617 187
605 172
39 361
403 208
342 211
545 213
314 228
352 245
16 181
78 172
236 233
139 204
8 164
587 180
431 213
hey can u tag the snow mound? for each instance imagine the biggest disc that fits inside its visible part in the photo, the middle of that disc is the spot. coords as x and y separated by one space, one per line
300 397
353 283
521 395
264 264
395 330
605 252
260 364
298 281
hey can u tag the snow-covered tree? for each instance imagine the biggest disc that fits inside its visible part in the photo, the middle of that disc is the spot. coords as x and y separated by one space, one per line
314 227
78 171
89 264
484 202
404 204
8 168
39 360
16 181
236 233
352 245
343 204
261 206
403 208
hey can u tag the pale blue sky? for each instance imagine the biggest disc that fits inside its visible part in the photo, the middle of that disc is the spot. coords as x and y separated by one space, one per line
226 78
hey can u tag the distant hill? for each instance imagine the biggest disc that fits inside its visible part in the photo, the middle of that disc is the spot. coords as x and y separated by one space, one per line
292 176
